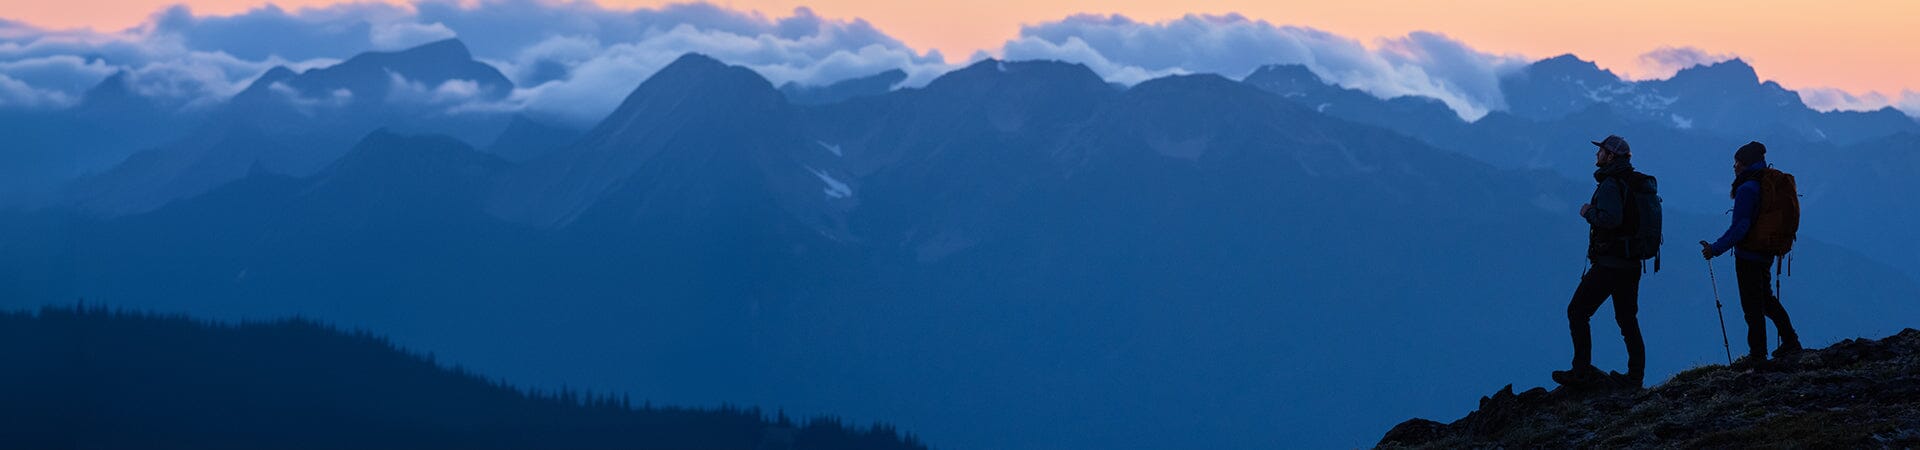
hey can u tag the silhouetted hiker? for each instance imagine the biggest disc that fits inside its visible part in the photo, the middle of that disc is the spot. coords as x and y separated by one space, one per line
1766 217
1624 230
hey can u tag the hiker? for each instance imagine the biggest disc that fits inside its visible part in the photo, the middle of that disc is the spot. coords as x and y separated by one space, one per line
1762 231
1623 217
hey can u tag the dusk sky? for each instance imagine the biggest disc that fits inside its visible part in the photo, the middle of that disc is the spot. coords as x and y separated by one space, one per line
1854 47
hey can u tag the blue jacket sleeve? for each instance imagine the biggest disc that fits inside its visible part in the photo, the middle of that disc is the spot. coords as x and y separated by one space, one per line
1607 209
1746 202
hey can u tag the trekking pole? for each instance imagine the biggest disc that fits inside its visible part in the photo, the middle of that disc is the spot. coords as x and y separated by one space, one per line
1717 312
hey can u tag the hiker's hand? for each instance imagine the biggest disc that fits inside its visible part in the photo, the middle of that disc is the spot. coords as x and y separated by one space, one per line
1585 208
1706 250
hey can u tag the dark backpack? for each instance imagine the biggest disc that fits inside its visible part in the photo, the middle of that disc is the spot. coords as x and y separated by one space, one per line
1777 222
1640 223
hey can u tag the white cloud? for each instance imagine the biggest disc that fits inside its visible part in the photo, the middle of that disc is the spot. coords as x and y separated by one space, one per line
1123 50
17 94
403 35
1665 61
1834 99
63 73
1077 50
572 59
451 93
309 105
597 76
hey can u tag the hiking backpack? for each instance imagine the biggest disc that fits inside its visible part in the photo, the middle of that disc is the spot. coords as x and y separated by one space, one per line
1640 222
1777 221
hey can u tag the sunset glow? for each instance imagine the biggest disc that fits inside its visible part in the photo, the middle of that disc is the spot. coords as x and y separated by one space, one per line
1856 46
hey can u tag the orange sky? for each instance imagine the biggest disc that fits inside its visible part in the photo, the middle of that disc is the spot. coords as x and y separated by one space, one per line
1855 45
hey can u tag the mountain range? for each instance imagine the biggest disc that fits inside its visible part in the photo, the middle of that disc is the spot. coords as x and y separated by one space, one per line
1016 255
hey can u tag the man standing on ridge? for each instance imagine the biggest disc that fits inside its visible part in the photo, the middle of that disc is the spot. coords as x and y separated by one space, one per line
1763 229
1623 219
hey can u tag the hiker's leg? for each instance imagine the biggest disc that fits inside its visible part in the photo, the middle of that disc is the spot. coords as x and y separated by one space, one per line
1626 313
1753 302
1586 300
1778 313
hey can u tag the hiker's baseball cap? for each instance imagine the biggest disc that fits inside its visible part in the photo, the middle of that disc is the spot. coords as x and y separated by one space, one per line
1614 144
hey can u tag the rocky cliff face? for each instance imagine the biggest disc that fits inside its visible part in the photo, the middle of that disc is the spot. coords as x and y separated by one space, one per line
1857 393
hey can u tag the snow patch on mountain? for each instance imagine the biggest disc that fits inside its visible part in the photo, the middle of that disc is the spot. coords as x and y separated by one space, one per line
835 188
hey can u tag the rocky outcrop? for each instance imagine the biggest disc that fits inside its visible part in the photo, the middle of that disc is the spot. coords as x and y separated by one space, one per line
1857 393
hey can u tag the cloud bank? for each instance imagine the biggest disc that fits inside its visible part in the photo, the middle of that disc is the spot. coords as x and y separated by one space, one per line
574 60
1127 51
1831 99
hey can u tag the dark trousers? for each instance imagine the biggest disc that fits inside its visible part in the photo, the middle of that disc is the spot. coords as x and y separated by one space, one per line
1598 284
1759 304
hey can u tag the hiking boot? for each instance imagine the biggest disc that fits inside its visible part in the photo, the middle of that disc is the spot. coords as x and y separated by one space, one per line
1579 376
1750 362
1787 348
1633 380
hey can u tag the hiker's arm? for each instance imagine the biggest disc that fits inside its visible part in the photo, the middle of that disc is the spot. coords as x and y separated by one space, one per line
1746 201
1607 210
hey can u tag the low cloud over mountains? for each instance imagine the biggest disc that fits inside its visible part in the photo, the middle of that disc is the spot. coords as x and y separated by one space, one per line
570 60
1421 63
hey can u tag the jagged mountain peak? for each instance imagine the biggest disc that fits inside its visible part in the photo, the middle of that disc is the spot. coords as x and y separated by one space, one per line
1285 79
368 77
382 145
697 125
395 163
115 96
113 86
989 73
1201 88
870 85
1567 60
444 49
1732 72
1570 65
693 87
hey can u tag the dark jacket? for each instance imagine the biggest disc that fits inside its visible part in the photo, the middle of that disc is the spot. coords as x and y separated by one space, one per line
1746 204
1606 244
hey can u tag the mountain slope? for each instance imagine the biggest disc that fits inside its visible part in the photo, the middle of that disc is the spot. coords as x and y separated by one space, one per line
1421 117
94 379
694 143
525 138
1857 393
295 124
843 90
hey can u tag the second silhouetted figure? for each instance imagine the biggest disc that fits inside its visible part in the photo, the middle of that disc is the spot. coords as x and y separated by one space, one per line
1766 218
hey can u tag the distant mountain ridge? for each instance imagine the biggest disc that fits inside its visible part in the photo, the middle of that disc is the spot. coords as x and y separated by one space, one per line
297 123
843 90
1725 97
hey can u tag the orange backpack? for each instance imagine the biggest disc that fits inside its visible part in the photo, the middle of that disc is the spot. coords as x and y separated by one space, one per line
1777 223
